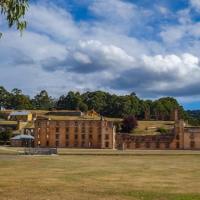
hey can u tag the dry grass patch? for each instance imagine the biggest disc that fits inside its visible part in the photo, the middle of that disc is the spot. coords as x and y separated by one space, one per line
150 127
100 177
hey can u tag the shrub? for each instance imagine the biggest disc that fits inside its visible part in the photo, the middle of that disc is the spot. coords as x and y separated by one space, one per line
162 130
129 123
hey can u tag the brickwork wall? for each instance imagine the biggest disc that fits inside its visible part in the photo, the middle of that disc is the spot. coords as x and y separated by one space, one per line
74 134
182 137
192 138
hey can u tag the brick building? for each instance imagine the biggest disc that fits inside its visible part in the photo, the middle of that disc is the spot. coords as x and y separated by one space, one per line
95 132
77 131
181 137
74 129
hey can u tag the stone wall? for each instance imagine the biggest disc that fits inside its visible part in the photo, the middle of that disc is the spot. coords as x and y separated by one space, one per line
74 133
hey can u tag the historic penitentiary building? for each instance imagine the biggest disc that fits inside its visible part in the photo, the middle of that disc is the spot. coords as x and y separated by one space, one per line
74 132
181 137
100 133
73 129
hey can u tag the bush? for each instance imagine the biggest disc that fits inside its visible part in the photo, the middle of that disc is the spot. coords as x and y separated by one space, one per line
162 130
129 123
5 136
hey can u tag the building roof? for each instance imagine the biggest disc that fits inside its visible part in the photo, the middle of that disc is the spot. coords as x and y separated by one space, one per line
65 113
23 112
7 123
63 118
75 118
21 137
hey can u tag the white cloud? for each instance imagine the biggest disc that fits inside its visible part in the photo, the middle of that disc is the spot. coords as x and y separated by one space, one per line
82 58
173 34
178 66
109 52
119 16
59 54
53 21
114 10
32 45
195 4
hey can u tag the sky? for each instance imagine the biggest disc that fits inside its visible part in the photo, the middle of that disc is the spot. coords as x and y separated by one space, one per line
151 48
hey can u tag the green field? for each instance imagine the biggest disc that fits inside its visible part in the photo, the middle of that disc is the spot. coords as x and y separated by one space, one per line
159 175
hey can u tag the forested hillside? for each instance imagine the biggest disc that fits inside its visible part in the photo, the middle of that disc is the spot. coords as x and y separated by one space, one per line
106 104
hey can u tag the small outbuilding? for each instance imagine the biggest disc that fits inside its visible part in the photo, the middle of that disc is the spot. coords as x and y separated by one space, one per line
23 115
22 141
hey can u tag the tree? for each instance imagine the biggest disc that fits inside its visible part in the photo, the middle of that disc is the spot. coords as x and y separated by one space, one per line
14 11
160 111
5 135
43 101
72 101
19 101
106 104
129 124
145 109
120 106
95 100
4 97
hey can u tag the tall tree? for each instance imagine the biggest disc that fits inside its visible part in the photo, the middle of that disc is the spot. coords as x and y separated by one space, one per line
19 101
43 101
95 100
4 97
72 101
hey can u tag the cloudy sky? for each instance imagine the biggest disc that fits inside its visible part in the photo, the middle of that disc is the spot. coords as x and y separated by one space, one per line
121 46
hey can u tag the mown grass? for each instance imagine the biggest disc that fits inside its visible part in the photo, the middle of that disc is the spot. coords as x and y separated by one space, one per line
5 150
147 177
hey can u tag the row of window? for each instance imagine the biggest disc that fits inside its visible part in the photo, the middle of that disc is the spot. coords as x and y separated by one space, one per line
157 145
76 130
83 136
67 123
167 145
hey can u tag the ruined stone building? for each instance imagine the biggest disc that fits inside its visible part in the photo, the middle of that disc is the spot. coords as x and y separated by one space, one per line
181 137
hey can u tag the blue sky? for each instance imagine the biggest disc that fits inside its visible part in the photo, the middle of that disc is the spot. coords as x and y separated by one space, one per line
120 46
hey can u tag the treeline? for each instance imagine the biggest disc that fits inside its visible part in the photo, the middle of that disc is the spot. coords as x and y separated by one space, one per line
104 103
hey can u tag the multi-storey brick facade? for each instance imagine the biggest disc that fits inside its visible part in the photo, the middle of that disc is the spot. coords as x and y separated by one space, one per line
80 132
181 137
74 133
73 129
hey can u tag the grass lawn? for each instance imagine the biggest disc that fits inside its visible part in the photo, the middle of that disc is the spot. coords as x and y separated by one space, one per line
85 177
150 127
